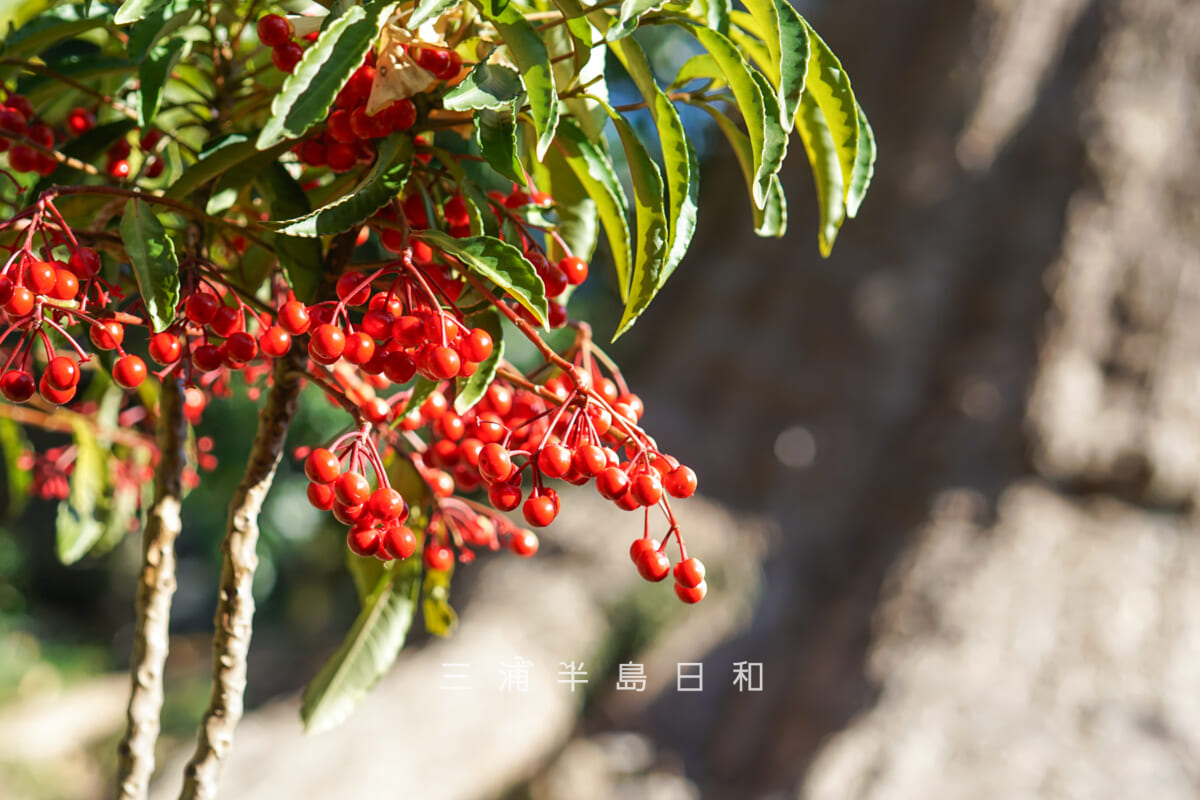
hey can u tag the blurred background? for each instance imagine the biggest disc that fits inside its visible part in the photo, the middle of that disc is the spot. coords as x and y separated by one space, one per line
949 482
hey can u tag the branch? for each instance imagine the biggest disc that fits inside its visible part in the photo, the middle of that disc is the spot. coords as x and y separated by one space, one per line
156 586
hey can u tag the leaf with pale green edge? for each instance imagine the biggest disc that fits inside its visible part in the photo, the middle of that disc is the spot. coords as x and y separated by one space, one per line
152 77
134 10
440 619
767 139
775 136
309 91
427 10
827 174
768 221
586 111
496 138
488 85
385 180
580 31
681 168
159 24
594 170
786 37
752 48
829 86
367 652
15 444
78 528
700 67
716 15
152 255
222 158
578 217
651 249
300 257
864 165
472 388
52 26
421 391
529 52
499 262
627 20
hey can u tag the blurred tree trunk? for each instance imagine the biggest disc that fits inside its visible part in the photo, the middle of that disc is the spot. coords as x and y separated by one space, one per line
1006 338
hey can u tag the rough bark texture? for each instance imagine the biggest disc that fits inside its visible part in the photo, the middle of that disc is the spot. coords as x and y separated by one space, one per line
156 586
233 623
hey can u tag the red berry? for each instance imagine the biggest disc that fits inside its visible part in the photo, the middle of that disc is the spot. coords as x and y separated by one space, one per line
399 541
504 496
21 302
455 211
129 372
339 128
359 348
201 307
363 539
554 279
275 342
399 367
376 410
312 153
612 483
386 503
693 594
52 395
680 482
444 362
165 348
274 30
107 335
352 489
207 357
439 557
689 573
17 385
227 321
524 543
495 463
589 460
293 317
40 277
646 488
554 460
84 262
340 157
377 324
400 116
241 347
653 565
320 495
322 466
117 168
154 167
478 345
575 269
62 373
327 342
431 59
6 289
639 546
540 511
286 56
347 515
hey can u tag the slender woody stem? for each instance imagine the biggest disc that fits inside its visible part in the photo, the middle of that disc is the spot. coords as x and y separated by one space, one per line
156 587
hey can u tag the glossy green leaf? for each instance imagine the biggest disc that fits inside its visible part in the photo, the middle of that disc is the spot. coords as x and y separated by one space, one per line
594 170
222 158
427 10
681 169
830 87
152 255
307 94
786 37
471 389
385 180
440 619
701 66
299 257
823 157
864 165
15 444
775 137
580 30
145 34
772 219
488 85
78 527
152 78
367 652
52 26
578 217
497 261
651 249
631 13
529 52
496 137
133 10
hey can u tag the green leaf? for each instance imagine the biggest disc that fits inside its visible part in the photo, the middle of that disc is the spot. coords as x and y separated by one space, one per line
651 250
78 528
768 221
496 138
681 168
133 10
580 31
471 389
307 94
367 652
382 184
823 156
299 257
578 217
488 85
440 619
499 262
830 87
152 78
594 170
219 159
15 444
631 12
158 25
421 391
152 255
52 26
716 15
701 66
864 165
786 37
427 10
529 52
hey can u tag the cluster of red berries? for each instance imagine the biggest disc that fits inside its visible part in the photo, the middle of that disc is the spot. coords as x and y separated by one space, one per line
17 118
116 159
276 32
653 565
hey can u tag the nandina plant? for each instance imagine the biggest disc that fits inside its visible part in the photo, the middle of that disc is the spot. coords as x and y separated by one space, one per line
369 199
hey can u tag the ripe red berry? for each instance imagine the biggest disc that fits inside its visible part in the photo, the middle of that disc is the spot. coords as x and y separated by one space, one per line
575 269
439 557
62 372
444 363
40 277
495 463
455 211
6 289
387 503
554 279
118 168
612 483
646 488
21 302
107 335
352 489
653 565
399 367
377 323
66 285
689 573
327 342
589 460
347 515
524 543
52 395
17 385
207 357
275 342
360 348
540 511
129 372
431 59
399 541
400 116
286 56
680 482
640 546
504 496
478 345
293 317
353 288
227 321
340 156
273 30
322 466
201 307
693 594
363 539
165 348
554 460
240 348
320 495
